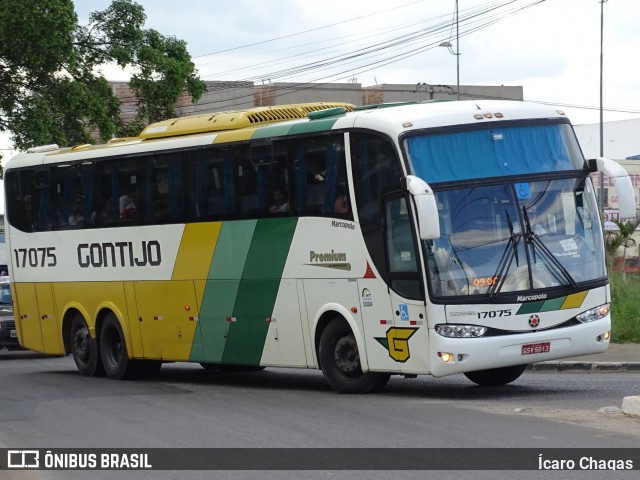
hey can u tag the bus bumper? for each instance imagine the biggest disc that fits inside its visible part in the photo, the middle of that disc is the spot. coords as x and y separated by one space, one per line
472 354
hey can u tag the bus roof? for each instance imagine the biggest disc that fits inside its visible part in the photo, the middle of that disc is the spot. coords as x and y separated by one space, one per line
269 122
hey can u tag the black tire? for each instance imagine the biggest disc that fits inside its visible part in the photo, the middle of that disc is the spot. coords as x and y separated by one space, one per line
113 350
84 348
496 376
340 361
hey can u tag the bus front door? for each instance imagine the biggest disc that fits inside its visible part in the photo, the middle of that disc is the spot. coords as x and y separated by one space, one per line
395 312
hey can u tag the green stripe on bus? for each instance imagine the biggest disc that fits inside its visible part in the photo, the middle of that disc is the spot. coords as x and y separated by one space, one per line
271 131
533 307
313 126
221 289
543 306
553 304
230 255
258 290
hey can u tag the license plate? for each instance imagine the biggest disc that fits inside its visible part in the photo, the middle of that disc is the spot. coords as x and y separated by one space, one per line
13 334
532 348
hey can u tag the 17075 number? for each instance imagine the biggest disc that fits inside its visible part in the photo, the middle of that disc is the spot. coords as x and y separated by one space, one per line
35 257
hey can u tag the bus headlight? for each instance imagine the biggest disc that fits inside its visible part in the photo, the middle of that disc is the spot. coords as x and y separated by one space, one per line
461 331
594 313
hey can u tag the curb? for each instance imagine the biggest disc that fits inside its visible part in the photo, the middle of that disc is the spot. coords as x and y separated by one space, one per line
631 406
585 367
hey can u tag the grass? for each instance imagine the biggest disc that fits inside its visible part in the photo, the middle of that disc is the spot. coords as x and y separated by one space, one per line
625 308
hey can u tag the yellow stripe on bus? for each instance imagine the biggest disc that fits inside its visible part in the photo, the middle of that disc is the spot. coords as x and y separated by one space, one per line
574 300
234 135
196 251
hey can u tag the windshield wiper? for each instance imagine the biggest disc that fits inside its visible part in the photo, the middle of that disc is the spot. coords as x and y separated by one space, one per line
510 252
533 238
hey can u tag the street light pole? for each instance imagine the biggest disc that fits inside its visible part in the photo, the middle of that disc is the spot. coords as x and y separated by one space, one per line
602 2
456 53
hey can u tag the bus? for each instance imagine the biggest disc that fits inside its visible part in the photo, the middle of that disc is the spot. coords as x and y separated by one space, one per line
428 238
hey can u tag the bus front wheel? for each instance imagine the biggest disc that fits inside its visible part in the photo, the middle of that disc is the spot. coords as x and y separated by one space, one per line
340 361
496 376
84 348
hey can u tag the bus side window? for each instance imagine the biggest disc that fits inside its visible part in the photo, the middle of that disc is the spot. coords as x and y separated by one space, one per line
320 177
19 209
75 194
162 192
378 172
117 194
403 262
211 193
42 201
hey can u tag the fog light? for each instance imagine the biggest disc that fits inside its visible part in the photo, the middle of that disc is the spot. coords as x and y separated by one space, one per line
445 356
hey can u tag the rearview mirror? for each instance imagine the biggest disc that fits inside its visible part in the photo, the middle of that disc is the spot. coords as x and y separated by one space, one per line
426 208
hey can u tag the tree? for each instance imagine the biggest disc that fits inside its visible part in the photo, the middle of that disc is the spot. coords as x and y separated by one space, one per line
614 239
51 88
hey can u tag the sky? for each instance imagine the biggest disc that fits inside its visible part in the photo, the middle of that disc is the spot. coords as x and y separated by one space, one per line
549 47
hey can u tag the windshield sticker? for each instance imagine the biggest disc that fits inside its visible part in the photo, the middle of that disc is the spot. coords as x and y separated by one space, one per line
569 245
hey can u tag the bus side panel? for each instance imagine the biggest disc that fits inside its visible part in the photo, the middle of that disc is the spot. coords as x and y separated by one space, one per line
135 346
168 313
49 324
216 315
258 289
285 343
378 324
27 317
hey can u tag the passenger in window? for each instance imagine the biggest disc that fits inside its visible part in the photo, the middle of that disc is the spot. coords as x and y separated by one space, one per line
76 219
280 201
341 206
105 214
128 210
161 213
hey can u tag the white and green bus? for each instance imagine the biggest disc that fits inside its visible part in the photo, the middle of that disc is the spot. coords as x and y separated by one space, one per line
429 238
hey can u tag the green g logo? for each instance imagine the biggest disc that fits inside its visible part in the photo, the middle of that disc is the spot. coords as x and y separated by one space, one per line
397 342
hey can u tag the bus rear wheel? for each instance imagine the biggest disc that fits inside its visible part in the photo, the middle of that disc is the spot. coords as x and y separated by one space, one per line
340 361
496 376
113 350
84 348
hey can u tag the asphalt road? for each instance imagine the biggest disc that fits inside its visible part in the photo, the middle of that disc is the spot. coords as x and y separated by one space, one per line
46 403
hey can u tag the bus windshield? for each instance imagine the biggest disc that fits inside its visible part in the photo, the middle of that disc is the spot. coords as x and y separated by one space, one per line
515 237
494 152
500 235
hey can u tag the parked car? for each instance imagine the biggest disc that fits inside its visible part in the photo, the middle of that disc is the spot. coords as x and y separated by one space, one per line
8 336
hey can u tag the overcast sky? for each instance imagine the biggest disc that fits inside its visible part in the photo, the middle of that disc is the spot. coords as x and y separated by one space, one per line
549 47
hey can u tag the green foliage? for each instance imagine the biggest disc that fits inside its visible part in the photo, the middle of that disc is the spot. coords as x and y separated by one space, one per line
51 89
625 308
614 239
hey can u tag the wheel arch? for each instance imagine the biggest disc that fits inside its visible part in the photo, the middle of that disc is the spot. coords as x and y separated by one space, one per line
324 317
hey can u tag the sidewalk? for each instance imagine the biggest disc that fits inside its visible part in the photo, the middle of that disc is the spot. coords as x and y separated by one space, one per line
618 357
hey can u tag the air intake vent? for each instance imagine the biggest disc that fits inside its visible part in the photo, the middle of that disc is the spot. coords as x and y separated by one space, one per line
233 120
